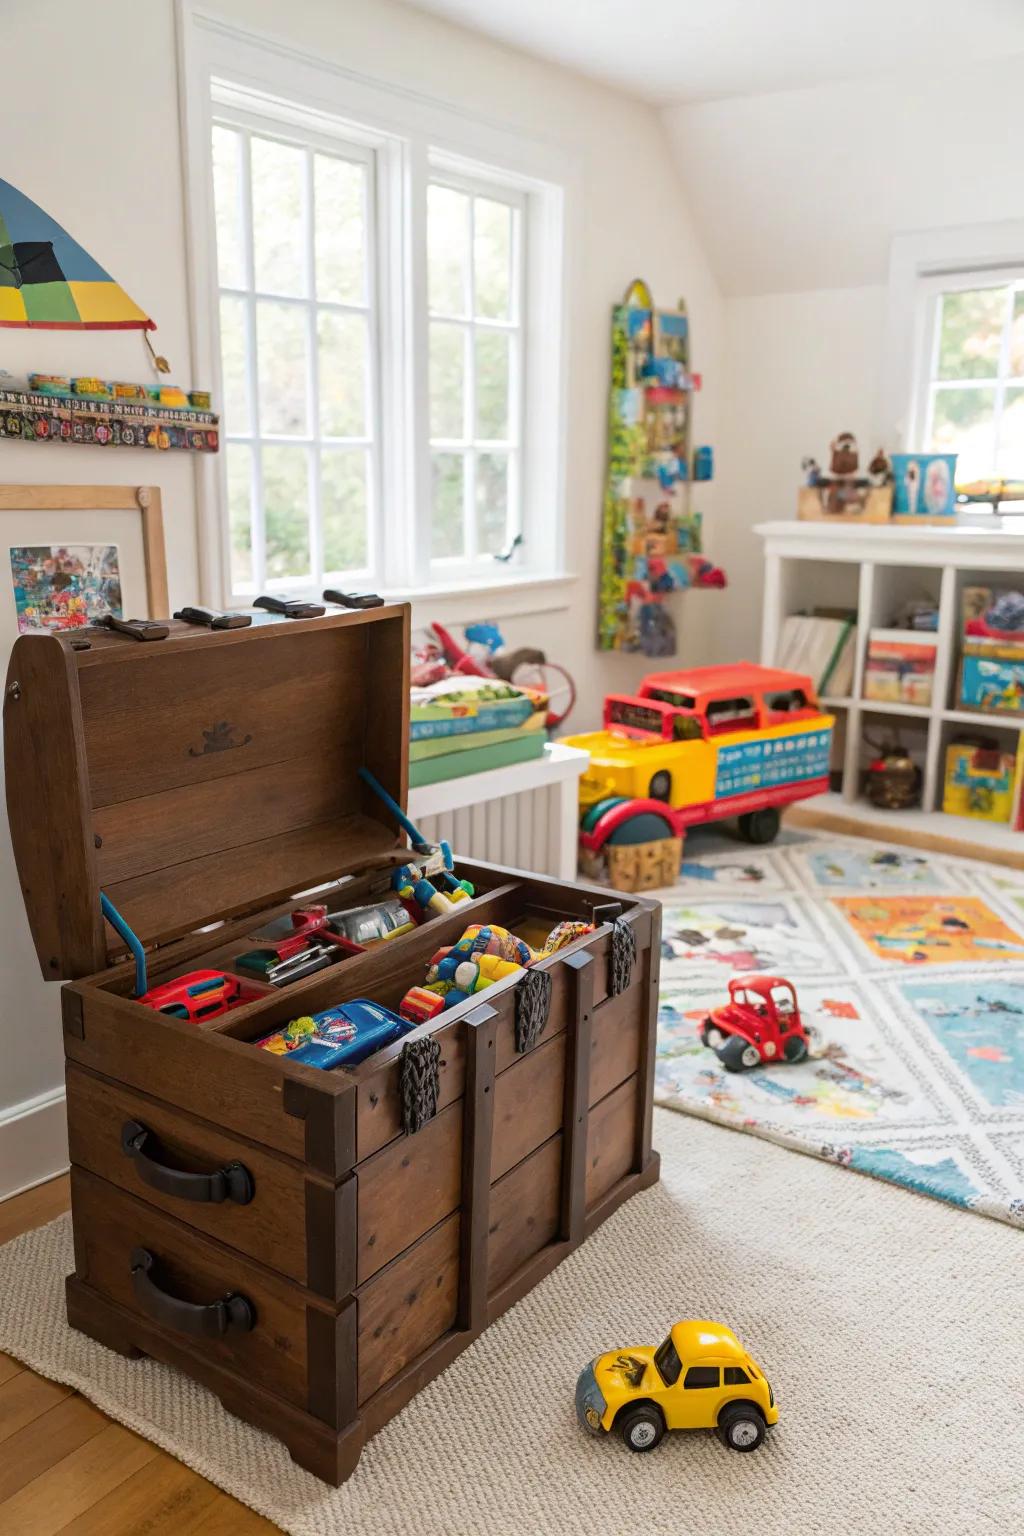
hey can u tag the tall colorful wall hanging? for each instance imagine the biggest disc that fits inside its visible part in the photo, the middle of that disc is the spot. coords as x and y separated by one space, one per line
651 536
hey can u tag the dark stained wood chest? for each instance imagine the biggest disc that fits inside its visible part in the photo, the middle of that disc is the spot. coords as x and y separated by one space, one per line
273 1230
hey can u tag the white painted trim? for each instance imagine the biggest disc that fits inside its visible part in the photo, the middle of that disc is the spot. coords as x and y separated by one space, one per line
913 256
413 126
33 1142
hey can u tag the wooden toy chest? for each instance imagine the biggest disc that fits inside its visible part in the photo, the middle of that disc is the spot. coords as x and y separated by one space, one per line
312 1246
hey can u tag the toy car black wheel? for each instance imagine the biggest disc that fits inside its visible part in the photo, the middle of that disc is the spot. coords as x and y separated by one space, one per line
642 1427
711 1035
660 787
741 1427
760 826
738 1055
795 1049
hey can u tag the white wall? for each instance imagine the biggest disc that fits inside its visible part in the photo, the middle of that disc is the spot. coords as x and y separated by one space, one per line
123 202
797 196
800 368
805 189
126 208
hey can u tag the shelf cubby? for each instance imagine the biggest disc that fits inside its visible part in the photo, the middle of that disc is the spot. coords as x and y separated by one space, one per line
883 567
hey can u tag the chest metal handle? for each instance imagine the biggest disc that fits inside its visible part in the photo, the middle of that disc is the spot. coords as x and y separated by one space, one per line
232 1314
232 1182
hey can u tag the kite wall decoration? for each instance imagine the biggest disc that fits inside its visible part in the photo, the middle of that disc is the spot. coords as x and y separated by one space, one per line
48 280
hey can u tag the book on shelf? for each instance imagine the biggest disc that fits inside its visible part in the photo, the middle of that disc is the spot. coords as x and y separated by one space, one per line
823 647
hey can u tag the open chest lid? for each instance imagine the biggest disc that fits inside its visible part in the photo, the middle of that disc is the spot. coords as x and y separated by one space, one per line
206 775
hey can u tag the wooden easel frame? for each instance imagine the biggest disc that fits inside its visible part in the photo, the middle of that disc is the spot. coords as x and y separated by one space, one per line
144 499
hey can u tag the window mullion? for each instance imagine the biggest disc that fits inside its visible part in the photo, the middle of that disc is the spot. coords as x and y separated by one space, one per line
410 546
258 526
1004 369
469 465
314 505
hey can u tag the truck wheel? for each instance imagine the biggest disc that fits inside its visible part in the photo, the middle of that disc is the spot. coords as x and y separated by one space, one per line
742 1427
795 1049
660 787
761 826
642 1427
737 1054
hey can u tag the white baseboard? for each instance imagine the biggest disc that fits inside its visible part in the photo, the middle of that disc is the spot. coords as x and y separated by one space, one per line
33 1142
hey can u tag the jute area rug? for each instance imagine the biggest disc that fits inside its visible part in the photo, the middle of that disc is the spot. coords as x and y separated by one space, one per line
888 1325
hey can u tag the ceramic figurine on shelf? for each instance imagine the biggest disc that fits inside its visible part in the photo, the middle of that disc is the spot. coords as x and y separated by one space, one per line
698 1377
845 458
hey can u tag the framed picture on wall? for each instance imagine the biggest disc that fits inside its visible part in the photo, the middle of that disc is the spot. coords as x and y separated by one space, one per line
70 553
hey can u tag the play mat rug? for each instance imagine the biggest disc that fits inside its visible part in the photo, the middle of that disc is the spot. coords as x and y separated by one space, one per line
911 968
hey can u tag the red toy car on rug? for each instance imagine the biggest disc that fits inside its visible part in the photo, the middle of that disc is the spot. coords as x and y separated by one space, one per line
759 1024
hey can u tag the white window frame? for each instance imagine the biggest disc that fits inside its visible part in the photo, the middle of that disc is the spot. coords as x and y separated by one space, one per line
916 261
470 324
411 137
931 290
251 124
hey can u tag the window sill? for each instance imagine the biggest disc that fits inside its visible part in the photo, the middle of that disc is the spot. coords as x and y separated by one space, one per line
511 597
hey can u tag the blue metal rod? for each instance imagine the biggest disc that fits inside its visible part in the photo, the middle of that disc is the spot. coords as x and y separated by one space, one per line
131 938
413 833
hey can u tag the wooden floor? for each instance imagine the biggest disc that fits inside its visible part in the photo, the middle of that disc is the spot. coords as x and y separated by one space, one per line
64 1466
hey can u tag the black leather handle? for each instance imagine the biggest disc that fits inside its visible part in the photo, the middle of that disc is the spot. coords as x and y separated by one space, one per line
232 1314
232 1182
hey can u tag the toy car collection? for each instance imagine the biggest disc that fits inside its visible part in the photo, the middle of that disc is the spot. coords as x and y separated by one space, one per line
760 1023
699 1377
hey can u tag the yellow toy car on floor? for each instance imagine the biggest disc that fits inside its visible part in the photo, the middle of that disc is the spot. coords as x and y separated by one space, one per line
699 1377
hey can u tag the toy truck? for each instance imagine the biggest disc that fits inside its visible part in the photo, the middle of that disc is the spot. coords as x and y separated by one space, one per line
696 746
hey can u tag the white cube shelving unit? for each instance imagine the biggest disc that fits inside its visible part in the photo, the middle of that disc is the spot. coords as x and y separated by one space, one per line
873 569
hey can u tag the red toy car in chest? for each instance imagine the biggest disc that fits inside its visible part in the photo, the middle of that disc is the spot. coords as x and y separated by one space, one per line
759 1024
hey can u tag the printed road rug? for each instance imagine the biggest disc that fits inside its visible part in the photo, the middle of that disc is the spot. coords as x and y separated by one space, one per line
910 967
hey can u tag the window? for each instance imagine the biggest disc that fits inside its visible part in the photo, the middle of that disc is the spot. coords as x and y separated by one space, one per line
731 715
474 285
701 1376
972 376
380 290
298 338
735 1376
668 1362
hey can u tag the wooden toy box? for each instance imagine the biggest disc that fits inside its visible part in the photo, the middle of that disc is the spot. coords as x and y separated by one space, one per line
299 1241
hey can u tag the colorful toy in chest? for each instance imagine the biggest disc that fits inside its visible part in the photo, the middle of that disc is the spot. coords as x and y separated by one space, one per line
651 536
337 1037
483 955
692 747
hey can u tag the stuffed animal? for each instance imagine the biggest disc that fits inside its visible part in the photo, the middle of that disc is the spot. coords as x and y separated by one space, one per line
483 955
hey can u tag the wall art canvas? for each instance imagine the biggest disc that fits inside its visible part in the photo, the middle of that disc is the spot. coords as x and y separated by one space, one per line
64 586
